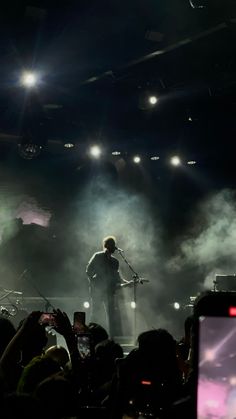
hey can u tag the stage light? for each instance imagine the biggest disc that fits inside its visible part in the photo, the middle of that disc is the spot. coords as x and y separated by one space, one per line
210 355
192 162
29 150
29 79
175 161
86 304
152 100
137 159
116 153
95 151
133 304
198 4
154 158
69 145
176 305
232 381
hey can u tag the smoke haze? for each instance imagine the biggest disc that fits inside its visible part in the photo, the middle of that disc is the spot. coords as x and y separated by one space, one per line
56 244
210 246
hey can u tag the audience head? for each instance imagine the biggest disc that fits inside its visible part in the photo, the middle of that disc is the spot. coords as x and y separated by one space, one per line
106 353
58 354
159 341
98 333
7 331
108 350
37 370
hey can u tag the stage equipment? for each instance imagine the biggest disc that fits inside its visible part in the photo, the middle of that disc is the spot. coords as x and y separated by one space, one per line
10 307
28 149
134 283
225 282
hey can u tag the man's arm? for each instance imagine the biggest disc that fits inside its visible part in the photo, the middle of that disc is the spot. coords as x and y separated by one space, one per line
124 280
120 278
90 269
10 356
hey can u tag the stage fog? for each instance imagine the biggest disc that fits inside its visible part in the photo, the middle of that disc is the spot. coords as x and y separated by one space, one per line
50 228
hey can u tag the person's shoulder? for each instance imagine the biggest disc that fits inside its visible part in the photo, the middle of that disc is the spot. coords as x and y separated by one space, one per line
99 254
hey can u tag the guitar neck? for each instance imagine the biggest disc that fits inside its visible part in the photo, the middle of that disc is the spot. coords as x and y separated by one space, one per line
132 283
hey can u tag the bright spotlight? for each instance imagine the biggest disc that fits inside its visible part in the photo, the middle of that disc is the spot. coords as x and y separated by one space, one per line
232 381
210 355
69 145
136 159
175 161
154 158
116 153
152 100
95 151
176 305
133 304
29 79
192 162
86 304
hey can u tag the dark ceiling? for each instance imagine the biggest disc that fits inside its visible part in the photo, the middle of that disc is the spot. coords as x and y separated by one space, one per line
98 61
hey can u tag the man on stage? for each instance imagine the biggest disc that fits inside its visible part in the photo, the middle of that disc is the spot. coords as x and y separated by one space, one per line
104 279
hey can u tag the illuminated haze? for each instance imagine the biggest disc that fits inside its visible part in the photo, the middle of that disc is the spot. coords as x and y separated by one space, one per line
56 244
209 247
105 209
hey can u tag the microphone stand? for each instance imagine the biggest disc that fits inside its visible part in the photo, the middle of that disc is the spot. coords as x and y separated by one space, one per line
48 304
136 280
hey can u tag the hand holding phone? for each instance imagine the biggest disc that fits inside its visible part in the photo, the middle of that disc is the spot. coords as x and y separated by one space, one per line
48 319
84 345
215 355
79 325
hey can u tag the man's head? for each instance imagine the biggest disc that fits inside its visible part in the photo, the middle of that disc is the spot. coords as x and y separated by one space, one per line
109 243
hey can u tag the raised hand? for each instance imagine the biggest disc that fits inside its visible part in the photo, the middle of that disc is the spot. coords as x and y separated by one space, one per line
63 325
30 322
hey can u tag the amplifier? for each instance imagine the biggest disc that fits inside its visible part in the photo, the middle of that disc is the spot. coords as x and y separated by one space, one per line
225 282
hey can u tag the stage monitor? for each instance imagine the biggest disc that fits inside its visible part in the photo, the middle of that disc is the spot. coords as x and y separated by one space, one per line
225 282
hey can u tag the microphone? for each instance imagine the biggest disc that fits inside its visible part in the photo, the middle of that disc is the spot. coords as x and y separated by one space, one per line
119 250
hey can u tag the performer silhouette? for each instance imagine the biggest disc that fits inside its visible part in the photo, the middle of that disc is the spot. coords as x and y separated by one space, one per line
104 279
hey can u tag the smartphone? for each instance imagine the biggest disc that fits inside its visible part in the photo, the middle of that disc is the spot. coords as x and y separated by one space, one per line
79 322
214 352
84 345
48 319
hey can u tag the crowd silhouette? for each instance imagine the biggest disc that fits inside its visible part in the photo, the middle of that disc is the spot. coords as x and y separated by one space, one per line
37 381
